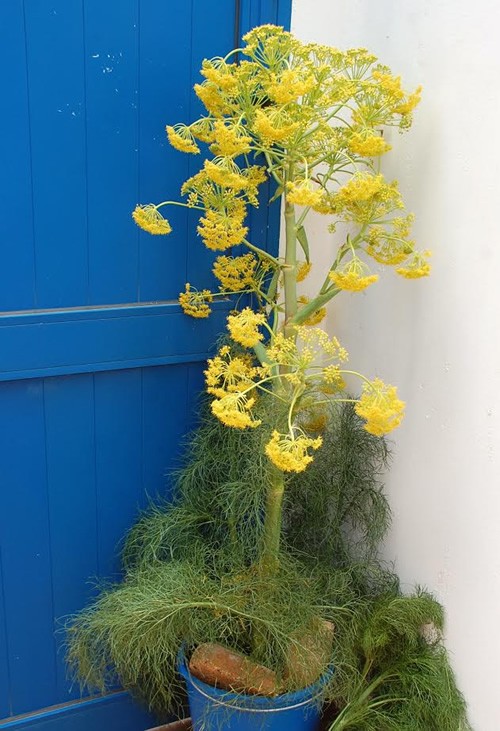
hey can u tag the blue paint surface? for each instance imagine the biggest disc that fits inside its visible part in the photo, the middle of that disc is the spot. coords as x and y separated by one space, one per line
99 369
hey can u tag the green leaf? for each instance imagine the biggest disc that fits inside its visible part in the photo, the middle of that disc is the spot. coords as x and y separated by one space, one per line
278 193
302 239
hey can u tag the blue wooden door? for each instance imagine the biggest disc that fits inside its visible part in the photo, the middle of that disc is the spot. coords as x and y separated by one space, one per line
99 369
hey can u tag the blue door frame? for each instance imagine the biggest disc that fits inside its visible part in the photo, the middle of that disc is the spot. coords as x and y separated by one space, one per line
99 369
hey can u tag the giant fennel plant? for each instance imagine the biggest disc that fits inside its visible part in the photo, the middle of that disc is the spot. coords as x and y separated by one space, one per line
310 118
279 511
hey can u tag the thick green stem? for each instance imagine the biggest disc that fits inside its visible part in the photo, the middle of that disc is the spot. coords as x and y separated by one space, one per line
289 270
311 307
272 523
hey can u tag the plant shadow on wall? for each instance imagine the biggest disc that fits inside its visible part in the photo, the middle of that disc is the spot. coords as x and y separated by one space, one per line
269 551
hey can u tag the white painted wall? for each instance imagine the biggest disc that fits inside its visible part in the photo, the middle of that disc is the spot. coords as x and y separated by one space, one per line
438 339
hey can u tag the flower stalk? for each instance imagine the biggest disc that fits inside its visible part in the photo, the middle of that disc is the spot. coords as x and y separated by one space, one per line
315 117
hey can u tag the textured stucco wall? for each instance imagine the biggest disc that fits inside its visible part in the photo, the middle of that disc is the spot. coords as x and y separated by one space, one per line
438 339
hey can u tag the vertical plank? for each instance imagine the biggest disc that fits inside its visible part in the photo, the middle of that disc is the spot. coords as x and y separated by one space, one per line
258 12
5 690
111 72
17 277
25 532
164 82
284 13
251 15
72 504
118 435
54 36
164 426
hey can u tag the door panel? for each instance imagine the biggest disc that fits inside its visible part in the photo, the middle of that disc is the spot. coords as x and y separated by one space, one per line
100 371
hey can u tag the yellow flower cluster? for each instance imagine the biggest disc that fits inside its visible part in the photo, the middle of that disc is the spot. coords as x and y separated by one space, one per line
181 138
235 272
366 197
225 175
221 231
303 270
234 409
409 105
386 99
195 303
360 188
380 407
302 194
389 84
387 247
353 276
150 219
244 327
271 130
316 343
212 98
222 74
227 374
368 144
417 266
270 44
289 86
282 350
229 141
318 112
332 377
290 454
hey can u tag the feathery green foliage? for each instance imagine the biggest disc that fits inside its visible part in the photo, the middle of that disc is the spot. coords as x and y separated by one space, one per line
192 576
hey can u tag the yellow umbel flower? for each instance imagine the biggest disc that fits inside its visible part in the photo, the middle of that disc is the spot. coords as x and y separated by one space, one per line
289 86
303 270
227 374
271 130
195 303
282 350
222 74
409 105
229 141
361 188
202 129
301 193
150 219
289 453
235 272
332 379
390 84
181 138
353 277
233 410
316 343
225 175
243 327
366 197
221 231
390 248
380 407
368 144
212 98
417 267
